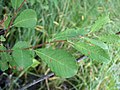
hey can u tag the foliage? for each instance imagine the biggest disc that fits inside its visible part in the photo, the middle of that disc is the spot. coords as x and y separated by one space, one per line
56 34
23 58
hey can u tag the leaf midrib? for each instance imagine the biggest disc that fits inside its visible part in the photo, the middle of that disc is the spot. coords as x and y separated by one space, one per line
92 52
55 60
24 20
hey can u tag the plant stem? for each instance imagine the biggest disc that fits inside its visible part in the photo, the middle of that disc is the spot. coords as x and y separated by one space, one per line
36 46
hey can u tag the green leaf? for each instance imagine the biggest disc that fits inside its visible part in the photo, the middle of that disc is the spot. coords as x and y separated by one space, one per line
35 63
27 19
97 42
4 59
3 65
2 38
20 45
22 58
16 3
61 62
93 52
110 38
99 23
69 34
7 22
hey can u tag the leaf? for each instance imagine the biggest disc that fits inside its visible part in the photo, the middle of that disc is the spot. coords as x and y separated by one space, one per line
16 3
35 63
20 45
2 38
22 58
110 38
6 23
26 19
69 34
93 52
97 42
4 59
99 23
61 62
3 65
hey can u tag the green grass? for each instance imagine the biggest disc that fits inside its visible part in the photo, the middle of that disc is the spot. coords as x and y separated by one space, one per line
57 15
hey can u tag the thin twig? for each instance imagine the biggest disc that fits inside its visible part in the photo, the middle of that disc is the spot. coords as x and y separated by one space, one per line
37 81
34 47
81 58
46 76
37 46
21 6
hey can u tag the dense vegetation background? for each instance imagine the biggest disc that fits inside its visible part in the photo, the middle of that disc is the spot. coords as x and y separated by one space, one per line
55 16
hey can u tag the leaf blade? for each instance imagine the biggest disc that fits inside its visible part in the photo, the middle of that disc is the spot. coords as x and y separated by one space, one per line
93 52
4 59
26 19
110 38
99 23
97 42
16 3
69 34
64 66
22 58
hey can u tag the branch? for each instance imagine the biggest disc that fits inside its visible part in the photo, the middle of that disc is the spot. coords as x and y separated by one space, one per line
34 47
37 46
21 6
37 81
